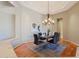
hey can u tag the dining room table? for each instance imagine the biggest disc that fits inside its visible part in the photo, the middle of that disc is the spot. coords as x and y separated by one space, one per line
47 37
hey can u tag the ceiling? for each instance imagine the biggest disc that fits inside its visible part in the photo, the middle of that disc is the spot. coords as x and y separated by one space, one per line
42 6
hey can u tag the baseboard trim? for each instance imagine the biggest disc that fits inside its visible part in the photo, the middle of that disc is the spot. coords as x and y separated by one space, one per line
73 43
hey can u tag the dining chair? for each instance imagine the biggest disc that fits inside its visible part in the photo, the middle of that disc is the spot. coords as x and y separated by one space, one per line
37 40
55 38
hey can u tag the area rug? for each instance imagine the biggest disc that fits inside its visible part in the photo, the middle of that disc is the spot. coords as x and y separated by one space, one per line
49 50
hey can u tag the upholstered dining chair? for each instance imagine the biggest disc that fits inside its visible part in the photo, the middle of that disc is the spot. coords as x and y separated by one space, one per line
37 40
53 43
55 38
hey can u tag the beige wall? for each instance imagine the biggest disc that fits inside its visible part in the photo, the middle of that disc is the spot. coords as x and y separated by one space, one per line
70 23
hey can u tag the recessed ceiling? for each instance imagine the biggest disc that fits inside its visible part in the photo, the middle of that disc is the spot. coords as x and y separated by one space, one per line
42 6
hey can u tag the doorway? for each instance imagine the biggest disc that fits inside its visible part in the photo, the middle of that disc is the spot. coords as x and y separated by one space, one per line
60 27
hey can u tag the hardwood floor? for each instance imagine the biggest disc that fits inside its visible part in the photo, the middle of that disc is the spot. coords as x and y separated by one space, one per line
70 51
24 51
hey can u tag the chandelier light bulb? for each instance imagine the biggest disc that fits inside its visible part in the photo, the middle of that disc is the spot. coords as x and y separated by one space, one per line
49 19
53 21
46 21
43 22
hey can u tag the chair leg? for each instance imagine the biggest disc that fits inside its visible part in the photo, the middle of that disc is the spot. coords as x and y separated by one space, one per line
35 41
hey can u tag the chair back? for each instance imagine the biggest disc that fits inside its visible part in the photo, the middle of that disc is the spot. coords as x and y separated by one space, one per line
56 37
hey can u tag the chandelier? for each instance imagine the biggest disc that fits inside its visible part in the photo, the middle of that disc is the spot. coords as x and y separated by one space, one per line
48 20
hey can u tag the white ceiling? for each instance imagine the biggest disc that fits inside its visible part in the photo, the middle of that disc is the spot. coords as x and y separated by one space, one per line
42 6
